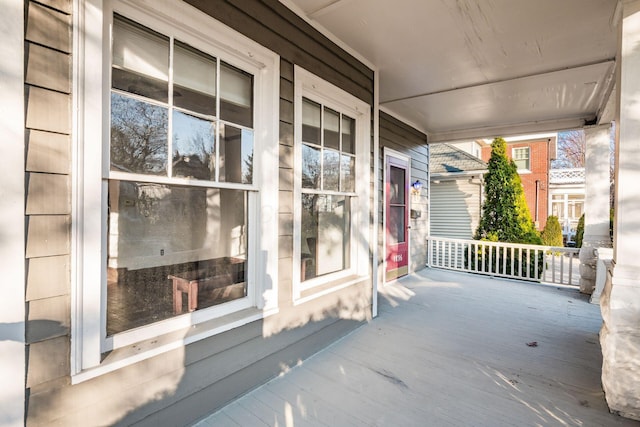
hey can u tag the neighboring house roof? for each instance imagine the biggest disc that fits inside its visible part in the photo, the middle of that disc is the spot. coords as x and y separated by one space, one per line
445 158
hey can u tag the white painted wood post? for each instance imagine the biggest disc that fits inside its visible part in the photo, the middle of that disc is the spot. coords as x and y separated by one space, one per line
596 203
620 299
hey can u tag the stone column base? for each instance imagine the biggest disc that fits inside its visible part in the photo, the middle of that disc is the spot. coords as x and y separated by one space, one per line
620 342
589 259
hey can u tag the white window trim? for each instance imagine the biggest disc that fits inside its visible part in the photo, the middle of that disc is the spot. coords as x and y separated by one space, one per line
310 86
91 125
513 152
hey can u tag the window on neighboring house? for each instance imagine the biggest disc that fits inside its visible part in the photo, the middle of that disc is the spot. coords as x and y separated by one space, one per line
186 208
521 158
333 182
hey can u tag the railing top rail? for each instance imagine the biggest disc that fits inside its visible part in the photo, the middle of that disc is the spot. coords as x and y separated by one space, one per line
505 244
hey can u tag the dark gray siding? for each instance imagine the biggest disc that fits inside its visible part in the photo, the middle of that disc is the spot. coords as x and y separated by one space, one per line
403 138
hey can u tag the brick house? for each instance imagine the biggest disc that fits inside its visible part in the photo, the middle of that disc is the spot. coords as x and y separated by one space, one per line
533 155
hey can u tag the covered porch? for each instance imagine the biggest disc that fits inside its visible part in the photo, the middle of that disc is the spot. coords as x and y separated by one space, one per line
448 348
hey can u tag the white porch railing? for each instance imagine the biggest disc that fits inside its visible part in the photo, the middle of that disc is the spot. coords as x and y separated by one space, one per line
511 260
566 176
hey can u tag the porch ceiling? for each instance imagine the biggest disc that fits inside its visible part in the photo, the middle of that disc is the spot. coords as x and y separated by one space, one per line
472 68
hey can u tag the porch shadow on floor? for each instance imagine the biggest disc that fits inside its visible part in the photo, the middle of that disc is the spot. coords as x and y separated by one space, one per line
448 349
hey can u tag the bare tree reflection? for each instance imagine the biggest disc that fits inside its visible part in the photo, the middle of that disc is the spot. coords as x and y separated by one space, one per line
138 136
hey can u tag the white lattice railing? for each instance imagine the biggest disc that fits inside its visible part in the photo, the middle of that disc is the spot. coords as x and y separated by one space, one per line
566 176
511 260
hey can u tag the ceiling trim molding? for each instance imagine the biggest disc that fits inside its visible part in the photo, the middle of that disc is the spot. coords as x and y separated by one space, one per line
610 61
403 120
507 130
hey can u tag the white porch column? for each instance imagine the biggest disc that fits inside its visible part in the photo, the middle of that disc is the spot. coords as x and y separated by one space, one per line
620 300
596 203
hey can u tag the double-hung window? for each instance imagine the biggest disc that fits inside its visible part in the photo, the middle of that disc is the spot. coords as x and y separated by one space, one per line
187 197
332 186
521 158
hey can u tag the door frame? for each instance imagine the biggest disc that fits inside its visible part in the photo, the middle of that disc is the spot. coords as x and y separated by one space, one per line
389 152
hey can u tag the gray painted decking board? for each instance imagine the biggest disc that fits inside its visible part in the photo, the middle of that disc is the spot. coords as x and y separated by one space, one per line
449 349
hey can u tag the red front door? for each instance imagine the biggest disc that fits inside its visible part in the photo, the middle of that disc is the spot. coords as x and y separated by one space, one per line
396 216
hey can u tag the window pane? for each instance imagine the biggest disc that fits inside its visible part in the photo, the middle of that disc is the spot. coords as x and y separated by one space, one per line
138 136
325 235
397 182
194 80
236 96
395 224
348 135
236 155
310 122
140 60
348 170
193 147
310 167
157 231
521 157
331 170
331 129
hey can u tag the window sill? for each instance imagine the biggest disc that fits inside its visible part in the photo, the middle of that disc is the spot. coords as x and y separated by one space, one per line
149 348
329 287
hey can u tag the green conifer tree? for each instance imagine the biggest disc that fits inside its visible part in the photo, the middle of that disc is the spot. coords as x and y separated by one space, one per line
552 233
505 215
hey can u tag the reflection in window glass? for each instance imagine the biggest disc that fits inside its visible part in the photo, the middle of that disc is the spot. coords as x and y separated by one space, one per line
163 235
138 136
194 80
310 167
348 170
397 183
395 224
331 129
236 95
331 170
310 122
193 147
348 135
236 154
140 60
325 234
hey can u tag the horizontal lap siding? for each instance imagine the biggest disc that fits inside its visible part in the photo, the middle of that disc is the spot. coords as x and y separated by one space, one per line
406 140
455 208
48 192
182 385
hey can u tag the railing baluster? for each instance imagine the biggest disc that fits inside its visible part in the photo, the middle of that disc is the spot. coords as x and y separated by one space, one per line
520 262
571 268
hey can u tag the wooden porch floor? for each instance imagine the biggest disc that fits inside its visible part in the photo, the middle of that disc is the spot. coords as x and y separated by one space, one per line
448 349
